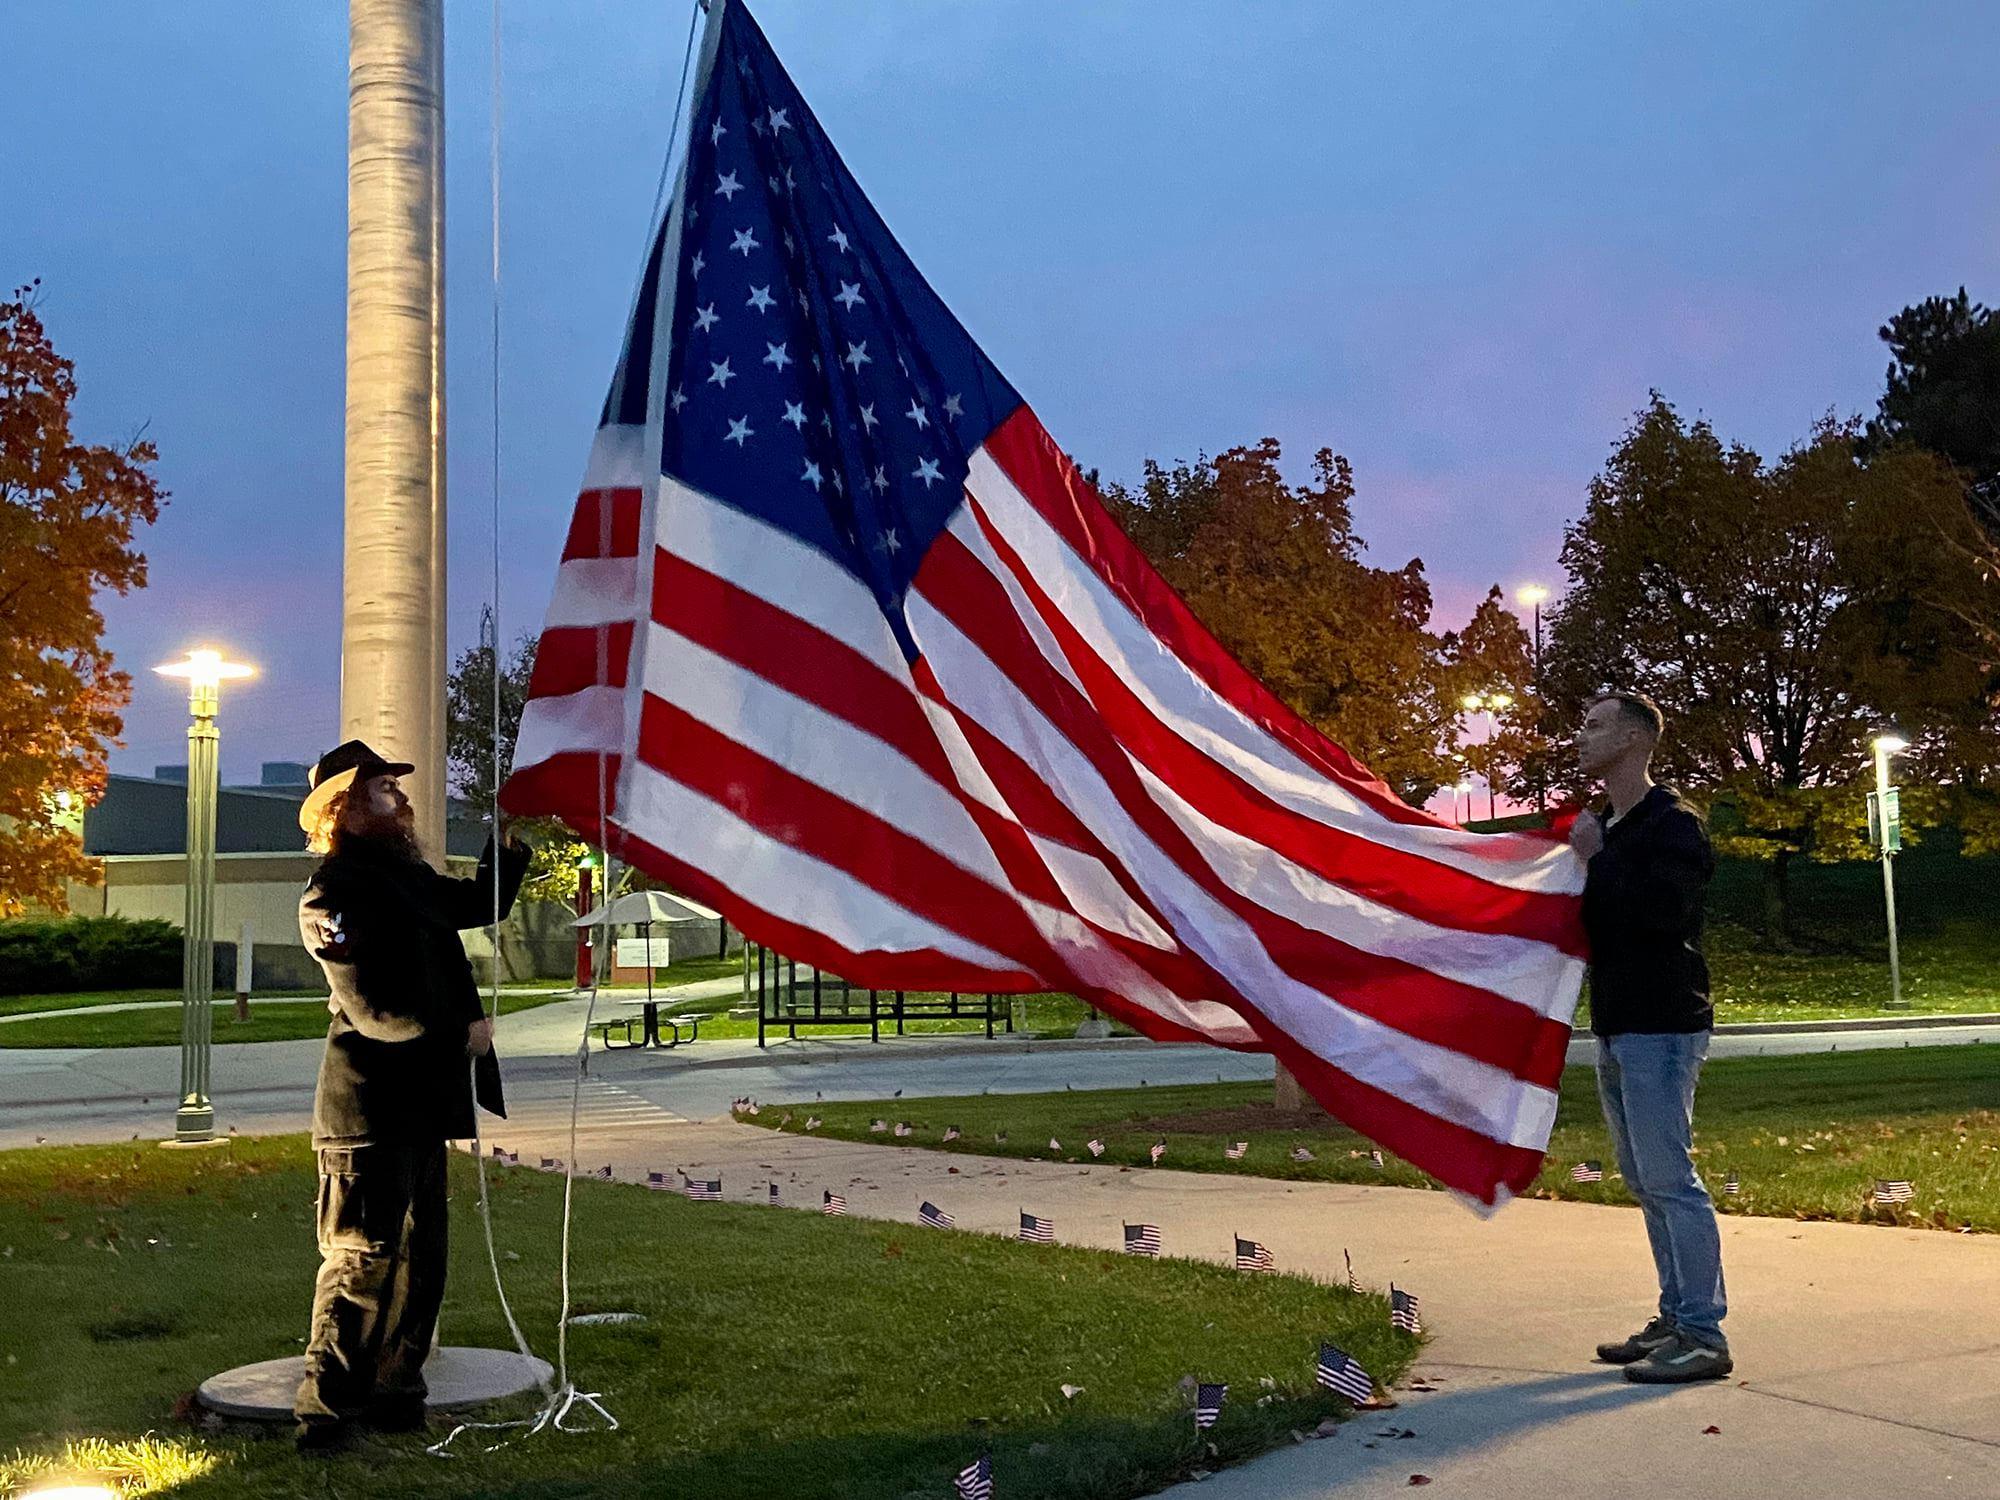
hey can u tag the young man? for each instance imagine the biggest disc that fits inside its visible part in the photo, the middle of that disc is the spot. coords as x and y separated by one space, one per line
395 1084
1649 865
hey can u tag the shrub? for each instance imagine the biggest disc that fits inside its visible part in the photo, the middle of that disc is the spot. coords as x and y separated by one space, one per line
57 955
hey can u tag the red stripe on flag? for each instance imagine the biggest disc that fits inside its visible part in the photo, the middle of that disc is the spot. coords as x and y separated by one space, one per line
910 872
800 658
1397 878
1456 1155
908 969
810 664
570 658
1469 1020
564 786
808 817
604 524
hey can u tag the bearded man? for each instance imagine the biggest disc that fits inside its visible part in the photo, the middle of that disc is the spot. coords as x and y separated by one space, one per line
407 1051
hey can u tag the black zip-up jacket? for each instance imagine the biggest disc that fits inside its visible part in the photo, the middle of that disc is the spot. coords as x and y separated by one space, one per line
385 931
1642 910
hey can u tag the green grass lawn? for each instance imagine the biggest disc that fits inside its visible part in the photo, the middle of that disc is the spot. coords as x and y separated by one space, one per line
16 1005
784 1354
162 1028
1807 1135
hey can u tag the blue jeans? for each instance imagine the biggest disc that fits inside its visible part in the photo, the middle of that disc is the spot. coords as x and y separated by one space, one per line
1646 1084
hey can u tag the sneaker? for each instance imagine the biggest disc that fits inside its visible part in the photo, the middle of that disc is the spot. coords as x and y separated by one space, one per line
1680 1362
1655 1335
324 1439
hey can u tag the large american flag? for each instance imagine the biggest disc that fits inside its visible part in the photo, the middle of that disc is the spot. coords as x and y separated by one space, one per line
843 645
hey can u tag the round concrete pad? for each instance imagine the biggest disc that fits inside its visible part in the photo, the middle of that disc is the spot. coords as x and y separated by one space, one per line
457 1378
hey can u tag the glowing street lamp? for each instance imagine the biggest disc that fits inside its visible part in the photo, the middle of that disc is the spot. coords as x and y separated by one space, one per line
205 671
1885 826
1491 703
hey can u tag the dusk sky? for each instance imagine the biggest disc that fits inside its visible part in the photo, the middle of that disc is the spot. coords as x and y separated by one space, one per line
1456 243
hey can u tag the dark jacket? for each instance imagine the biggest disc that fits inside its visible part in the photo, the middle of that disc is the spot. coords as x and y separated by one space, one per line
385 931
1642 910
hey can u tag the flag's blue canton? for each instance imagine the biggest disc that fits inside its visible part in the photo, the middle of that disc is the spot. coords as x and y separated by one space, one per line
815 381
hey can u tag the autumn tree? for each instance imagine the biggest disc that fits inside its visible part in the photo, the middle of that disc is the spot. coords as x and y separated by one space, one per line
69 513
1942 394
1779 614
1275 571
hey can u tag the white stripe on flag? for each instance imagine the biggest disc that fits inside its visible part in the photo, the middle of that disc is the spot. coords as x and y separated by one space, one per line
778 879
1211 724
590 720
1439 1081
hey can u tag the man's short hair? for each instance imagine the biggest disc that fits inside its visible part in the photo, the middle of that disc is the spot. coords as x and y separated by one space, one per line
1637 709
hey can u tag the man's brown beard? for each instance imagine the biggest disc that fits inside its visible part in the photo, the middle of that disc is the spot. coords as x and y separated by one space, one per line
395 834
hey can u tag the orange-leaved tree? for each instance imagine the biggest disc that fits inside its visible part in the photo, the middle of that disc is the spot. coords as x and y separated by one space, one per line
68 515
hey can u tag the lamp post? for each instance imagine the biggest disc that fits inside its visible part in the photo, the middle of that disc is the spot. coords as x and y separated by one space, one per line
1886 825
1534 596
1491 703
204 670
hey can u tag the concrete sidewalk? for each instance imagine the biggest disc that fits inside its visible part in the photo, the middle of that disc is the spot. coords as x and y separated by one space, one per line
1868 1358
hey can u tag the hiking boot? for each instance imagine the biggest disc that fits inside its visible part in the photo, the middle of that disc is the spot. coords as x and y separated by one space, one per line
324 1439
1655 1335
1680 1362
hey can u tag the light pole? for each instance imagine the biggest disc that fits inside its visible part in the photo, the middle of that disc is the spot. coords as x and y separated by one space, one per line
204 670
1492 703
1463 789
1534 595
1886 824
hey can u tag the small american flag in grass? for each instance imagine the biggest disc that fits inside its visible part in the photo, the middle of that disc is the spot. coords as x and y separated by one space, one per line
975 1480
1375 1160
1142 1239
1341 1373
506 1158
832 1203
1587 1171
603 1173
709 1191
1234 1151
1353 1284
1403 1310
773 1198
1732 1184
1055 1146
876 1127
902 1129
1094 1147
1208 1399
1035 1230
1251 1256
1300 1153
934 1216
1157 1150
551 1164
812 1122
659 1182
951 1133
1894 1190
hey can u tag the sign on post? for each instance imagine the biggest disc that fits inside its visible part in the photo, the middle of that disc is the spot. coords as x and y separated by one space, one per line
1886 834
633 952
